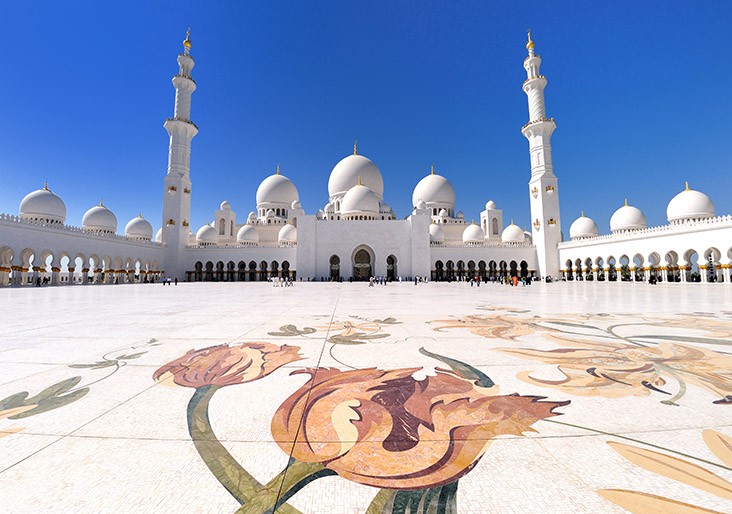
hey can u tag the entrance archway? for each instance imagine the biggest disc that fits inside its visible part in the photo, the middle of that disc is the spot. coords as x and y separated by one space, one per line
361 264
335 268
391 268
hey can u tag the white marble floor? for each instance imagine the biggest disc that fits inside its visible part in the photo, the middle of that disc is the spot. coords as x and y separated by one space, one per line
341 398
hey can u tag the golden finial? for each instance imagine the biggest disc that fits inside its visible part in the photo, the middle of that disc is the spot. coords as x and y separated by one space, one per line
139 214
45 186
626 202
432 171
278 168
355 147
187 40
529 44
583 214
358 181
101 202
512 218
687 185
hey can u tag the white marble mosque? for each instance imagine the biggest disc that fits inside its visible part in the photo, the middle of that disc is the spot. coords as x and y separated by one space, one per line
357 234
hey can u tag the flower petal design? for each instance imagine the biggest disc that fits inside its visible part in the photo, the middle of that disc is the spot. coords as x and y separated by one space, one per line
644 503
224 365
676 469
385 428
720 444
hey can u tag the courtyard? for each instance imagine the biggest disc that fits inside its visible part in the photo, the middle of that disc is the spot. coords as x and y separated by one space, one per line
343 398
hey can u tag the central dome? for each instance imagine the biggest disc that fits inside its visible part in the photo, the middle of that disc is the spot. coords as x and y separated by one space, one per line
627 218
436 191
99 219
689 205
345 175
277 189
43 205
360 199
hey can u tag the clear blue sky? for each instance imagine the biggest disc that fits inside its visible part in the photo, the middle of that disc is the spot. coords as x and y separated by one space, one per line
640 92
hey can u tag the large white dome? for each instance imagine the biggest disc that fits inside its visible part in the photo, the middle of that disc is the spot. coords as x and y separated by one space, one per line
437 235
139 228
360 199
287 234
345 175
436 191
689 205
43 205
207 235
247 234
583 227
99 219
473 234
277 189
513 234
627 218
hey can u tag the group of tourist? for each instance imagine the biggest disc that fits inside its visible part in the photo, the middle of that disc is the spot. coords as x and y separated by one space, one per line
282 282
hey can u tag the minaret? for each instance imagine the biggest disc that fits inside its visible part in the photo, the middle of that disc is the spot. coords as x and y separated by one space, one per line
177 190
544 193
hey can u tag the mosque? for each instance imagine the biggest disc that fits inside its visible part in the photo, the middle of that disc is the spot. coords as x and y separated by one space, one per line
356 234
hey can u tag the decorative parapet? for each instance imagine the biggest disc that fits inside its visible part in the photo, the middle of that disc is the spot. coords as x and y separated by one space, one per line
210 246
184 120
484 244
676 228
535 122
13 219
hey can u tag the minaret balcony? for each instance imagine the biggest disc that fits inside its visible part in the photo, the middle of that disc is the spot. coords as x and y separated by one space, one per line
184 120
535 78
536 122
184 76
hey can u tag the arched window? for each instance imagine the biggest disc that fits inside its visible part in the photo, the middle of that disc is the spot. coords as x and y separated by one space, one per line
231 229
222 226
494 226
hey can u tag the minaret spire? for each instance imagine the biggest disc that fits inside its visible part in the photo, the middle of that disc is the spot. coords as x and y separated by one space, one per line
177 183
543 190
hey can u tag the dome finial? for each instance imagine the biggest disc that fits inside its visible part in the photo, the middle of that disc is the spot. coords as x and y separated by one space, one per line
45 186
687 185
432 171
139 214
626 202
187 42
355 147
529 44
583 214
278 168
101 202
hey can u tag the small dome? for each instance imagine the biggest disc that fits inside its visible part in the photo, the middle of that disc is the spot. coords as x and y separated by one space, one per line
247 234
473 234
99 219
139 228
159 235
207 235
443 213
191 237
583 227
384 208
43 205
420 205
287 234
436 191
512 234
436 234
329 208
252 216
627 218
460 215
270 213
346 173
689 205
277 189
225 206
296 205
490 205
360 199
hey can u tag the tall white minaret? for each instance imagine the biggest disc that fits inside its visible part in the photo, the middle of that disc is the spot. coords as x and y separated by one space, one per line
543 191
177 190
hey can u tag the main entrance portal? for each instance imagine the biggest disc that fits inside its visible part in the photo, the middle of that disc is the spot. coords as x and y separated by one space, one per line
361 265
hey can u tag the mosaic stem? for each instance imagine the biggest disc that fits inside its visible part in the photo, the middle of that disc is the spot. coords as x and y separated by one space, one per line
271 498
435 500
